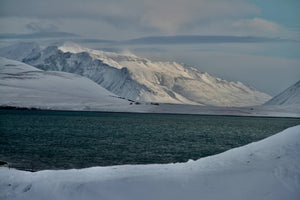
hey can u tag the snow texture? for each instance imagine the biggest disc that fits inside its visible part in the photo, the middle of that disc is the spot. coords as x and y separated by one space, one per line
22 85
290 96
136 78
268 169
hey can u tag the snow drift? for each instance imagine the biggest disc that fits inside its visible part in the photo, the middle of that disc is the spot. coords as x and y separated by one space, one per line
138 78
268 169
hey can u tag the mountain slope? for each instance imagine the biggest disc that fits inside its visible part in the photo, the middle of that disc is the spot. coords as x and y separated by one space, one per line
22 85
290 96
137 78
19 50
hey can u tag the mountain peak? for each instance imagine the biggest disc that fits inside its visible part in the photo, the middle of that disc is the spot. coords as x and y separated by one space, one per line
136 78
290 96
72 47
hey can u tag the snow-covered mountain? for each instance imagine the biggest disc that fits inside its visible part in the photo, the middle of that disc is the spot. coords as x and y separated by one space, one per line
19 50
22 85
290 96
138 78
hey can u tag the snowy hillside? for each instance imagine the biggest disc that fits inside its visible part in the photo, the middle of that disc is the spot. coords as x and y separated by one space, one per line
290 96
22 85
137 78
268 169
19 50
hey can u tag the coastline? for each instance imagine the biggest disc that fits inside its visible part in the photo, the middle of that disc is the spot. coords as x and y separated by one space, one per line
181 109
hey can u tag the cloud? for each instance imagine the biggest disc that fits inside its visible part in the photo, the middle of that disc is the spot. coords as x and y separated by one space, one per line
75 9
195 39
164 15
256 27
38 35
121 20
168 17
171 15
35 27
257 24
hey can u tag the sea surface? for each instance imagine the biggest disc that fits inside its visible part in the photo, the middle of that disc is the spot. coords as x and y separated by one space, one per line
39 140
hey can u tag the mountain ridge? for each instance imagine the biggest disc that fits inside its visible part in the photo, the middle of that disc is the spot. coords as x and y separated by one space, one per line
141 79
22 85
290 96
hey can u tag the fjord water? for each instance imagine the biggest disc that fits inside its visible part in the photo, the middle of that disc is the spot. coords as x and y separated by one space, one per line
37 140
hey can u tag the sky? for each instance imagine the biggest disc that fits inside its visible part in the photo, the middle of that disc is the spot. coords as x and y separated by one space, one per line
256 42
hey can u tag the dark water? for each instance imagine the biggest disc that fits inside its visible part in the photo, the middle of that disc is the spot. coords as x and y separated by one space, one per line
36 140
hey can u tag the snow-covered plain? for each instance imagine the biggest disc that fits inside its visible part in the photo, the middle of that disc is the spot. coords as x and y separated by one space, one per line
268 169
136 78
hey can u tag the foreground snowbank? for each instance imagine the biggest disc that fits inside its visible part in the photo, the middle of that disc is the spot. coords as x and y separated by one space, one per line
268 169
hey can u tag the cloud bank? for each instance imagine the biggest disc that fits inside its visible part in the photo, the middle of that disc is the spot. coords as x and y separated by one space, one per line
136 18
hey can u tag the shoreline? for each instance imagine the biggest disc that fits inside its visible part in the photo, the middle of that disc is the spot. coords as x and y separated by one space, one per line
205 112
220 175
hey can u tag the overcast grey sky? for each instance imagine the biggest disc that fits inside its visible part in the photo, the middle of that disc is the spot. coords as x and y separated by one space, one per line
261 47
